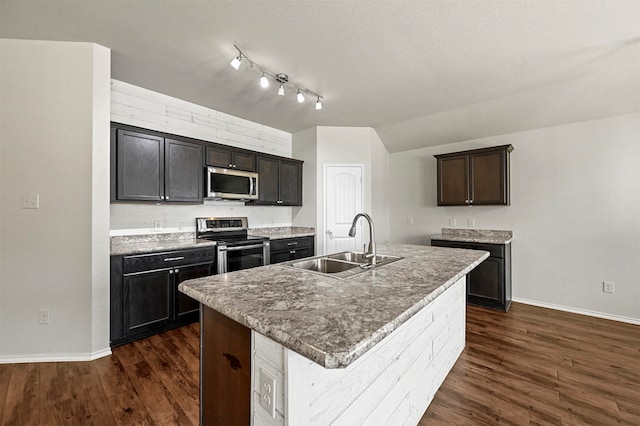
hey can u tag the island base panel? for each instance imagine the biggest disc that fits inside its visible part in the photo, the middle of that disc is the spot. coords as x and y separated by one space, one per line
225 370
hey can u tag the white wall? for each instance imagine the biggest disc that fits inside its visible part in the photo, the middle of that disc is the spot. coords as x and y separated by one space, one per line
144 108
54 137
334 145
306 149
575 211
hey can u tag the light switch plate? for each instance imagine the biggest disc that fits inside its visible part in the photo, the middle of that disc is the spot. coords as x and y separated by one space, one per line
31 201
268 393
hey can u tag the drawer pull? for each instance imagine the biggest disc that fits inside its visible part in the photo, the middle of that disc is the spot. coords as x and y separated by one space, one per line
292 244
170 259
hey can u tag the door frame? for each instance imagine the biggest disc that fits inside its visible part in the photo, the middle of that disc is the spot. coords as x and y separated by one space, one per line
325 166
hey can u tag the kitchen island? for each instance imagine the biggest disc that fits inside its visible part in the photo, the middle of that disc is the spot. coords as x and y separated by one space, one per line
287 346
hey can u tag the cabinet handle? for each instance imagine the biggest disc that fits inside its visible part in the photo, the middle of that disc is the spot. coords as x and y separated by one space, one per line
292 252
166 197
171 272
230 166
294 243
170 259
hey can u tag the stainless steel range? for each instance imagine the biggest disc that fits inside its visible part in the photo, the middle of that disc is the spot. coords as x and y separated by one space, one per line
236 250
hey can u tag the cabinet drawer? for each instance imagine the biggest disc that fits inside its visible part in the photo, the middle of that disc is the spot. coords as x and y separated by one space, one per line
146 262
495 250
291 243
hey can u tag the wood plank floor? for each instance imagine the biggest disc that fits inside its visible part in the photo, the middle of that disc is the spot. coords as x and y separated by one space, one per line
531 366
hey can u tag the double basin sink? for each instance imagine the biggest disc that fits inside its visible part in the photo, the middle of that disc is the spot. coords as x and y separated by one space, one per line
341 265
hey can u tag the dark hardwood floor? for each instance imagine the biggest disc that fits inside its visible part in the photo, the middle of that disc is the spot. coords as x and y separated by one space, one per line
531 366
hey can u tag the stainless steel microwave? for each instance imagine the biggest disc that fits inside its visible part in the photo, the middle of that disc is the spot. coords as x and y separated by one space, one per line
225 184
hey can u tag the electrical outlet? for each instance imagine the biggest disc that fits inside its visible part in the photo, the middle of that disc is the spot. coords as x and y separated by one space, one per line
452 221
471 223
44 316
409 221
157 225
268 393
607 286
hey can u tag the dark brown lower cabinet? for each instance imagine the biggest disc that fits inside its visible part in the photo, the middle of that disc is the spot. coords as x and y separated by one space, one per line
291 249
225 370
145 299
489 284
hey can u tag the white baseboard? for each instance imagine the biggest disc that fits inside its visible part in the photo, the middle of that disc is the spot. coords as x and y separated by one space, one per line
629 320
20 359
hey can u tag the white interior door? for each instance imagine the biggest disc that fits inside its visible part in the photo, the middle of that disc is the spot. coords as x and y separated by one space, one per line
342 200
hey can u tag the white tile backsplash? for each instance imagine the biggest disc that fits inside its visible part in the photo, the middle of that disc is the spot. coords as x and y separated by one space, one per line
132 219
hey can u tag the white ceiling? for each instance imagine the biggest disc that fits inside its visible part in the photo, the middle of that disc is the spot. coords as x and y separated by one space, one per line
421 73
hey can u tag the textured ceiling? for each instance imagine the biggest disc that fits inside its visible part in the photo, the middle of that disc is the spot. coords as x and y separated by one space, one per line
421 73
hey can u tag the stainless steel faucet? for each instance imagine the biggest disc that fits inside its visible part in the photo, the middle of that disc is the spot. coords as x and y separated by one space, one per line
371 251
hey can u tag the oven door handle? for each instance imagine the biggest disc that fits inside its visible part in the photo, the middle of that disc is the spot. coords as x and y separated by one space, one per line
253 246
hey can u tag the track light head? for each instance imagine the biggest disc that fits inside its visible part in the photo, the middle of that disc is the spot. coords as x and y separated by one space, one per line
264 83
318 104
281 78
235 62
300 96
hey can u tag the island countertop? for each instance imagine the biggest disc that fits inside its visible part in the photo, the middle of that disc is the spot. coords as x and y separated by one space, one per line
328 320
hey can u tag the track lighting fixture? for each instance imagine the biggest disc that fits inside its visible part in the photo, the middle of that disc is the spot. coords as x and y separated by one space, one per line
281 78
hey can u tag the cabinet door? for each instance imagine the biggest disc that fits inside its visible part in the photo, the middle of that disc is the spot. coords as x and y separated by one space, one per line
185 305
147 300
219 157
280 256
230 159
453 181
290 183
244 161
486 281
140 170
488 178
184 171
268 175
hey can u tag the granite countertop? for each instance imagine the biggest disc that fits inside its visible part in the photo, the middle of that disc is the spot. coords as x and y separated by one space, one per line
334 321
149 243
485 236
278 233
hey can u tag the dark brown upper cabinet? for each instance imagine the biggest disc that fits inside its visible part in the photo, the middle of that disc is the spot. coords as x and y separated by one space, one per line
152 168
183 171
280 181
231 159
475 177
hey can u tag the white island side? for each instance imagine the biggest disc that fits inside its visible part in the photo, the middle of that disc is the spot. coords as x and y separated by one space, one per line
287 347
